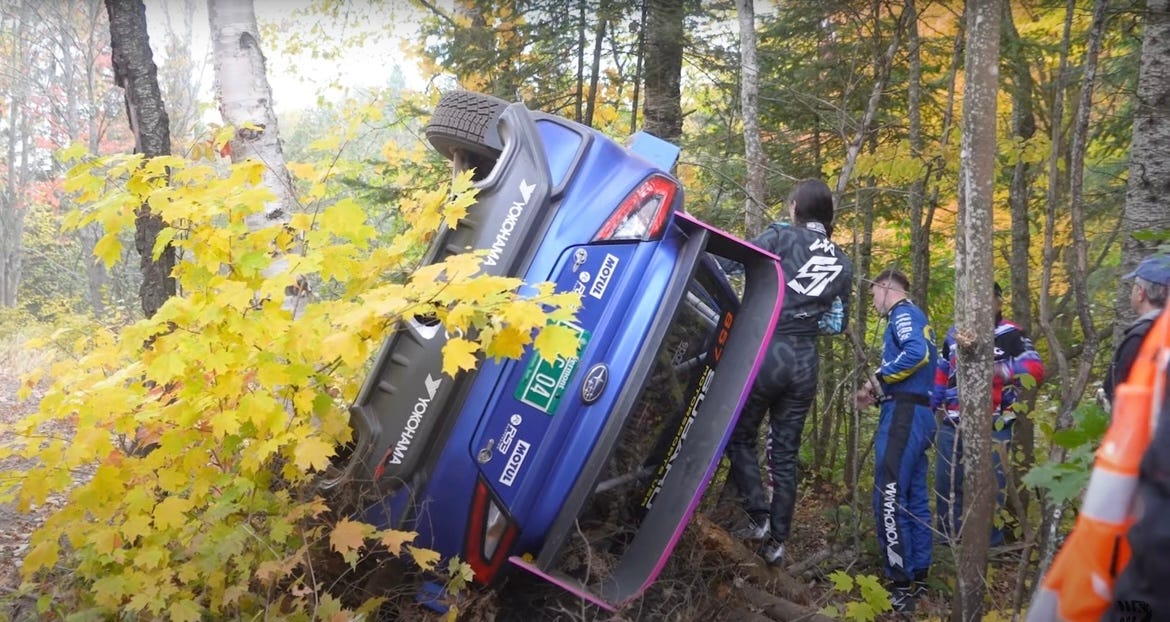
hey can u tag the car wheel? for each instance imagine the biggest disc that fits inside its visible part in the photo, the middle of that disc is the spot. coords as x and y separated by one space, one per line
466 122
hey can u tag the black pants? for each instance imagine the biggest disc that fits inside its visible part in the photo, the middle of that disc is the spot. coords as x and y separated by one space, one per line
785 388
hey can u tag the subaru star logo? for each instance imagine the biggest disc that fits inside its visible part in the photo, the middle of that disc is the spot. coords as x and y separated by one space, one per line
594 383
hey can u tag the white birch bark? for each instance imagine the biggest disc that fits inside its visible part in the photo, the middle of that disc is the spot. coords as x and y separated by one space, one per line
245 102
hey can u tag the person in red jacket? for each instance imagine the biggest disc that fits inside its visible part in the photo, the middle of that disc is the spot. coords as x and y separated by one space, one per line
1015 359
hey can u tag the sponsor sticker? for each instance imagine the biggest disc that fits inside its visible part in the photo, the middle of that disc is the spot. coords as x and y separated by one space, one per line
604 274
506 438
515 461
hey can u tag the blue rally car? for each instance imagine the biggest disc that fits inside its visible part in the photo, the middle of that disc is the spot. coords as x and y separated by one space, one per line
507 466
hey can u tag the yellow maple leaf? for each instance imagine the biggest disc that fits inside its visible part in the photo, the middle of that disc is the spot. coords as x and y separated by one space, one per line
185 610
41 556
508 342
393 540
348 537
312 453
425 558
108 591
171 512
557 340
108 249
348 346
458 354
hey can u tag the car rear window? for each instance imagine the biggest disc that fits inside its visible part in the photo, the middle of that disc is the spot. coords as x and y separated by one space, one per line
657 425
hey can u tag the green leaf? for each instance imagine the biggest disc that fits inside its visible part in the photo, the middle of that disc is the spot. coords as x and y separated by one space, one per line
873 593
842 581
160 243
860 612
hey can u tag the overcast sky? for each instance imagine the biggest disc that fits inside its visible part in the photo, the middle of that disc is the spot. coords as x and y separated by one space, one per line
297 79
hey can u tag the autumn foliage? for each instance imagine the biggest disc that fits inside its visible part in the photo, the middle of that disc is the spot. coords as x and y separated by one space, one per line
188 482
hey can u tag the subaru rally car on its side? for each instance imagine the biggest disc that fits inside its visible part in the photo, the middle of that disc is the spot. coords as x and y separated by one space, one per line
502 466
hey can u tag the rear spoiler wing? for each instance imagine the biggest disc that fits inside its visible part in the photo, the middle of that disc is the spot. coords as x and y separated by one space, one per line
684 484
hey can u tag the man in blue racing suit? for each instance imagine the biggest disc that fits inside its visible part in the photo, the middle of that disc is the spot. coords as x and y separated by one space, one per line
904 382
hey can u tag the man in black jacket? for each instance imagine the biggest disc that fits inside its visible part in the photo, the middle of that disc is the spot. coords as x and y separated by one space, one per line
1148 296
818 275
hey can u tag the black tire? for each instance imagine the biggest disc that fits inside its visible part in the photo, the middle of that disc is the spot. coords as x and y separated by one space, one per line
467 121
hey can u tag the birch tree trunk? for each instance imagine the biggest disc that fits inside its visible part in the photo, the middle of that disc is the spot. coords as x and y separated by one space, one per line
974 316
1146 207
662 110
136 73
749 100
17 172
245 102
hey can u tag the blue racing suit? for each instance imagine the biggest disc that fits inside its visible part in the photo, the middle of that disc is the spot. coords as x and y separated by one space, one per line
901 505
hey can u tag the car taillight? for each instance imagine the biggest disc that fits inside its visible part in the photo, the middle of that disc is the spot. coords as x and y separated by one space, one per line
490 534
642 215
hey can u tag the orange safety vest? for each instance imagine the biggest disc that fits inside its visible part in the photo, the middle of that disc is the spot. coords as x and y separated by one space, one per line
1079 585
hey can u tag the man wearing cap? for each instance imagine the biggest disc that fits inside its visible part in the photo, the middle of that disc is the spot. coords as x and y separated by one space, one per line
1148 296
1015 360
901 385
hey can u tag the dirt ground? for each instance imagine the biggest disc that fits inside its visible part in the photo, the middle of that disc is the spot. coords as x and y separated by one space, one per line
15 526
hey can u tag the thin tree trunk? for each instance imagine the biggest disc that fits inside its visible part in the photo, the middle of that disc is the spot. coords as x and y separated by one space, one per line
246 104
663 65
1149 167
882 74
974 320
1053 511
919 232
135 72
862 251
638 70
595 74
577 115
749 99
1023 117
12 199
1073 382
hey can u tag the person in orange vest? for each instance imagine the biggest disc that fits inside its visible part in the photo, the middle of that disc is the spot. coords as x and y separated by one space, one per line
1122 528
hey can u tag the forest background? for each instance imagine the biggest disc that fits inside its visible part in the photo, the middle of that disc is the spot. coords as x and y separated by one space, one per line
867 95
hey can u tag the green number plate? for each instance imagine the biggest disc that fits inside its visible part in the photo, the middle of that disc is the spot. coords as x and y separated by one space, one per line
544 381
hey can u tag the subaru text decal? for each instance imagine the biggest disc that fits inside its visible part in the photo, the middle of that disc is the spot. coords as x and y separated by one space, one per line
680 436
506 227
512 468
398 453
603 276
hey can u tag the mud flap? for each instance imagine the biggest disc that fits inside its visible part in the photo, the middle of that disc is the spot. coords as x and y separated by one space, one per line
684 483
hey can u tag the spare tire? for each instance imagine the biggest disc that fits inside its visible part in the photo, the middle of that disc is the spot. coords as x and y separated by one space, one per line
468 121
